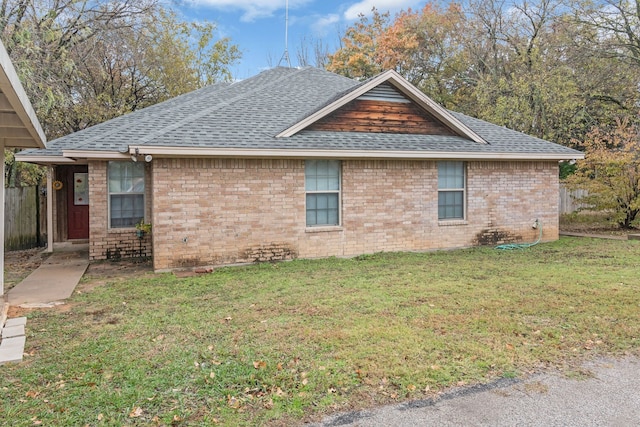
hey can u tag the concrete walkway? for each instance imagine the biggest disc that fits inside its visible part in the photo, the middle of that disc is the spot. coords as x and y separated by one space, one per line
53 281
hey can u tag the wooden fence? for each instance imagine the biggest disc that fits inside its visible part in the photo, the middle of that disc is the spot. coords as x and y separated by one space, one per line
22 218
568 198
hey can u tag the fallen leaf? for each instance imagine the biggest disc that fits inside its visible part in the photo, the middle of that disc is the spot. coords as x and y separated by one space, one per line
233 402
100 417
305 381
411 387
176 418
212 375
279 367
32 394
269 404
509 346
137 411
259 364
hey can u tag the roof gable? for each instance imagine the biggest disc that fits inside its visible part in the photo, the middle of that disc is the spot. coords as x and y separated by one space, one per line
383 109
384 89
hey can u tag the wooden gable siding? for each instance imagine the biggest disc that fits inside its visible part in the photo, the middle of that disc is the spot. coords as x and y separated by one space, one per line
377 116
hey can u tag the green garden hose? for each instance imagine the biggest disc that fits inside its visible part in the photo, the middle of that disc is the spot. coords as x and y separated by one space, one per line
510 246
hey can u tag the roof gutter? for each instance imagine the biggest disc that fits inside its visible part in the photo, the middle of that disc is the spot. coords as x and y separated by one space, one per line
45 160
182 152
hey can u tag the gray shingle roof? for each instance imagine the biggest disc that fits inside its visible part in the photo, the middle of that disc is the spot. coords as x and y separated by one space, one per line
249 113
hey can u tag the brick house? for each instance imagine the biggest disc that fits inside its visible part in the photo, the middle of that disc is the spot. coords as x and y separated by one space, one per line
299 163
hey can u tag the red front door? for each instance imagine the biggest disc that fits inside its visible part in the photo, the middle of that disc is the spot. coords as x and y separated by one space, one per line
78 202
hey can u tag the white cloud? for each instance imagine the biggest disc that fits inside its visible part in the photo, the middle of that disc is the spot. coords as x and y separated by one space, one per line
252 9
364 7
322 24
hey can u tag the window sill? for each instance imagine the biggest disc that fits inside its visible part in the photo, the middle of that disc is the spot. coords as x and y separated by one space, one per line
122 230
452 222
323 229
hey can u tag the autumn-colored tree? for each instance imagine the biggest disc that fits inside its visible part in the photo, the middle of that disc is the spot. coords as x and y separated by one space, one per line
356 57
426 48
610 172
532 66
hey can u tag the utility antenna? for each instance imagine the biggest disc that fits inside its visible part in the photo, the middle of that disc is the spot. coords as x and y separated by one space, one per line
285 55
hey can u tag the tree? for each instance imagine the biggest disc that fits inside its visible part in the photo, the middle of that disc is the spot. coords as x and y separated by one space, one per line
356 57
426 48
610 172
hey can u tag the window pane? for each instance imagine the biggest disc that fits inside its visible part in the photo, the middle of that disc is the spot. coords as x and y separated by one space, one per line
322 175
126 210
450 175
450 205
126 177
322 209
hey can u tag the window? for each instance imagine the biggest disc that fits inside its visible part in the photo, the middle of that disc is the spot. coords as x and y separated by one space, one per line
322 184
451 188
126 194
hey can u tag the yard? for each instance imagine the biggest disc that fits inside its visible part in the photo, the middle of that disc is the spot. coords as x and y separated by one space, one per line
285 343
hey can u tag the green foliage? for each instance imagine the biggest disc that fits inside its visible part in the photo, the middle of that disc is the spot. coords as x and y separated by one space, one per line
18 174
83 63
610 172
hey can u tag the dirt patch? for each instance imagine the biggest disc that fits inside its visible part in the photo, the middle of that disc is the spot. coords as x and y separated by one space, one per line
102 272
597 230
121 268
19 264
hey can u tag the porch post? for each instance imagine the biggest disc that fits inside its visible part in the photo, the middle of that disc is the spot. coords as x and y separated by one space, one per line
50 209
2 226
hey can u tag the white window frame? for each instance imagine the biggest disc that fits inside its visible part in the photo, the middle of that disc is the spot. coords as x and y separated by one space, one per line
338 192
462 190
125 193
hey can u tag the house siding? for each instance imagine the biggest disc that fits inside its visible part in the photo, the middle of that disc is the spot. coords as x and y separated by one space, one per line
225 211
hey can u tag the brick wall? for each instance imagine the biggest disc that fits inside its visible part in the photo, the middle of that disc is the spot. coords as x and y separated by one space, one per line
106 243
221 211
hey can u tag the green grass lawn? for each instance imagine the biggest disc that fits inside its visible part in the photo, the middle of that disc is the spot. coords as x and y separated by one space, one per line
284 343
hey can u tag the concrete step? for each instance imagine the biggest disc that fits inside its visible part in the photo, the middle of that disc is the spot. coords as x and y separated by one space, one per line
17 321
13 340
12 349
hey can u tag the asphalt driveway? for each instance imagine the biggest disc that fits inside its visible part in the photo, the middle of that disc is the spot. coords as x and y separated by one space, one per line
602 393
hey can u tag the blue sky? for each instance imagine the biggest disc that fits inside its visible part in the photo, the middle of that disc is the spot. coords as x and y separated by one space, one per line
258 26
